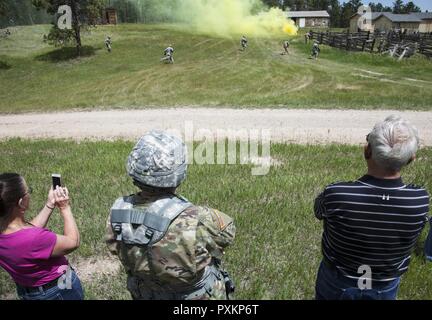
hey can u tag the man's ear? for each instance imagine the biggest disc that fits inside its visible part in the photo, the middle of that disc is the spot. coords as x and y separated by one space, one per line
411 159
367 152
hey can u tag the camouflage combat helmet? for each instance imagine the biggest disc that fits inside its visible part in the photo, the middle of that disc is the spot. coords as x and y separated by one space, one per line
158 160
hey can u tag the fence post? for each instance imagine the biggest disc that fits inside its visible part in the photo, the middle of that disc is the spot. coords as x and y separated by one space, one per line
373 45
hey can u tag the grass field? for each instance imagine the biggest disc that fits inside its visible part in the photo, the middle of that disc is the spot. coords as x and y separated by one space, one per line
208 72
277 249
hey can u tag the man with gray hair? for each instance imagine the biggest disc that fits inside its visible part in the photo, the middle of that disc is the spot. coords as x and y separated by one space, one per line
371 225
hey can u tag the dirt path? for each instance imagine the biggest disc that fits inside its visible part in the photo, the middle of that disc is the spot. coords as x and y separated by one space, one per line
299 126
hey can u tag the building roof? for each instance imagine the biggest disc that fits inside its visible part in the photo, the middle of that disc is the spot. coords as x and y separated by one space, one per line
376 15
406 17
423 15
307 14
401 17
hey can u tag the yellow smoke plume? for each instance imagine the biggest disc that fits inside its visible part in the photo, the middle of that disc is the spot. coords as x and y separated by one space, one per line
228 18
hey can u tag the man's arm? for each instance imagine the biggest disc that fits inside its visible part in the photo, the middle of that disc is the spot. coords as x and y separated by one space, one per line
221 229
319 206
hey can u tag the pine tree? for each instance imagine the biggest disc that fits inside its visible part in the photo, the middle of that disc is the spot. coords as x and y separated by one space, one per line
2 7
335 12
398 6
84 13
348 10
411 7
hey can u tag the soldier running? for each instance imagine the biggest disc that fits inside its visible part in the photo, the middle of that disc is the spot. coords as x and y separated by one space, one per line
308 36
168 54
315 51
286 45
243 43
108 43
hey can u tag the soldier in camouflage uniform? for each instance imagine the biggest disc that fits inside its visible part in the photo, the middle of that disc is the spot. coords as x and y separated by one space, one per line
315 51
168 54
108 43
308 36
243 43
170 248
286 45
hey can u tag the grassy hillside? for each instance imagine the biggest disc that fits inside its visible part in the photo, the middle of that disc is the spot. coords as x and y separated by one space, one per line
276 252
208 72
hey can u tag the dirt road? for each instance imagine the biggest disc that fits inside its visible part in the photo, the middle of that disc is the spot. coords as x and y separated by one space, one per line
297 126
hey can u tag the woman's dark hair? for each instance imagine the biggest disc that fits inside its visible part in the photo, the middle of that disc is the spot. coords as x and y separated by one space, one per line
11 190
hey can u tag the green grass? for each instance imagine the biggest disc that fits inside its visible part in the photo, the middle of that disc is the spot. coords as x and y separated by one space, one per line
208 72
276 252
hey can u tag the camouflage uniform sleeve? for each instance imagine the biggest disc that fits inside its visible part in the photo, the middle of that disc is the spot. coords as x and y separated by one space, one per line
110 238
220 229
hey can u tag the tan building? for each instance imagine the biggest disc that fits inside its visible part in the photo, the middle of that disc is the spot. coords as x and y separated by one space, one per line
426 24
385 21
310 19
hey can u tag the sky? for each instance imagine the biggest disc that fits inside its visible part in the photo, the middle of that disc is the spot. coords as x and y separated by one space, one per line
423 4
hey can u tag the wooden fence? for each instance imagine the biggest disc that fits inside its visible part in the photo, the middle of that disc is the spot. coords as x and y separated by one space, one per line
378 42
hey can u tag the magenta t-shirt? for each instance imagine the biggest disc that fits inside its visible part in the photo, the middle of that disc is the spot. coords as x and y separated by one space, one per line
26 256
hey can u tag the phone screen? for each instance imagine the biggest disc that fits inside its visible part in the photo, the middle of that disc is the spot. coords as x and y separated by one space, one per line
56 180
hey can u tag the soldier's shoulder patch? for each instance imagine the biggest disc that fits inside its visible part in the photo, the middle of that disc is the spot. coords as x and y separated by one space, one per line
192 211
215 217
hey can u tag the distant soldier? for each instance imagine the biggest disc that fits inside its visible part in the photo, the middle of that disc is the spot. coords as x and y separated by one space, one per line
315 50
286 45
8 33
243 43
170 248
308 36
168 54
108 43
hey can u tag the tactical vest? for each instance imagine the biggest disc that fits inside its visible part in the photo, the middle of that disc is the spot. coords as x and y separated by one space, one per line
145 226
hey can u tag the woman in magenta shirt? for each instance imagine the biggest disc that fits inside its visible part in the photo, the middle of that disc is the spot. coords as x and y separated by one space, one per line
31 254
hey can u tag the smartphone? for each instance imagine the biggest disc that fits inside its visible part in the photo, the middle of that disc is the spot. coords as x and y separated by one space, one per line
56 180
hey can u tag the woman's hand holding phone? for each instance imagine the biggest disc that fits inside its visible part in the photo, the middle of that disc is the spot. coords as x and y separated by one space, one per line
61 196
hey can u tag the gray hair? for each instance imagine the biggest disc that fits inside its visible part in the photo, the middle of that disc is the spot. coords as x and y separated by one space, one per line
394 142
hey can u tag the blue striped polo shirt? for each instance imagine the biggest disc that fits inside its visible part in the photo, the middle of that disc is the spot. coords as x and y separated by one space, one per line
373 222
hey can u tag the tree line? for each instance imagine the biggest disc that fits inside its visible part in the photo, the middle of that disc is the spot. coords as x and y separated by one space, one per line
21 12
25 12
